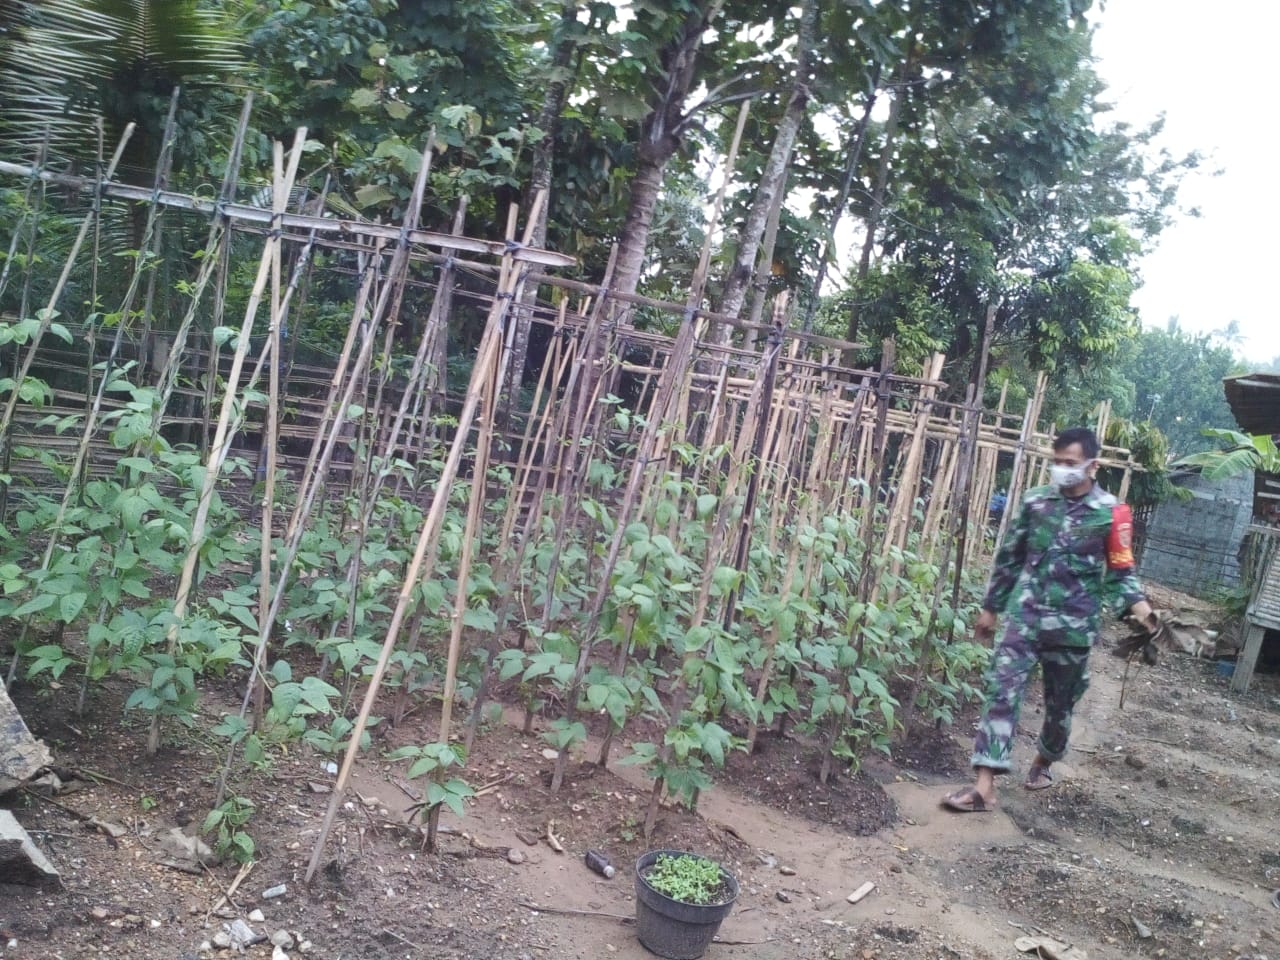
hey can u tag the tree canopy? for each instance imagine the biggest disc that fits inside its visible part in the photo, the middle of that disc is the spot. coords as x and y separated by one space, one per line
965 144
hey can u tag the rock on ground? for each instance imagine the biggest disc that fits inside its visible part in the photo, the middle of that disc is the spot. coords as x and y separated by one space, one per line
20 858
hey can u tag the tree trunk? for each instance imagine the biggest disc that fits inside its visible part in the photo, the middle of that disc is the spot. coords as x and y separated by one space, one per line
540 179
846 186
877 205
659 140
773 179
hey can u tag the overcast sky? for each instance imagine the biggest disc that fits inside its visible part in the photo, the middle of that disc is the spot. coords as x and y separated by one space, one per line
1208 67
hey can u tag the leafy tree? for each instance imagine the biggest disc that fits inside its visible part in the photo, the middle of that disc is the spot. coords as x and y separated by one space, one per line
1166 378
1177 384
668 67
370 78
1003 191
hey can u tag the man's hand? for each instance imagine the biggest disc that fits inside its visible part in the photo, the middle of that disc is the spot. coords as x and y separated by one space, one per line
1142 612
985 627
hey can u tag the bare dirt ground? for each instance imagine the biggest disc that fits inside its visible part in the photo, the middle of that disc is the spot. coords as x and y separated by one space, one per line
1159 840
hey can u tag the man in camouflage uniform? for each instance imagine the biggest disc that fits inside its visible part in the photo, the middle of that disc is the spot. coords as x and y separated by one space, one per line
1052 579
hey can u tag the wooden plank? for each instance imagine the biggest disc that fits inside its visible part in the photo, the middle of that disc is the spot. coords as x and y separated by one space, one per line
1265 608
1248 658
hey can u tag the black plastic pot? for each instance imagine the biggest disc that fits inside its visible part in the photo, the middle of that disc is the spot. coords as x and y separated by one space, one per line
669 928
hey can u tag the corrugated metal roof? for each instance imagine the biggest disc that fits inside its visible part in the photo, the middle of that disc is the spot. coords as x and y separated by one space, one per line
1254 399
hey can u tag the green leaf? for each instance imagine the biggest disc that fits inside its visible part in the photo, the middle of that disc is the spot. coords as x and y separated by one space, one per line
372 194
232 727
317 694
597 694
480 618
422 765
37 603
245 617
70 606
243 843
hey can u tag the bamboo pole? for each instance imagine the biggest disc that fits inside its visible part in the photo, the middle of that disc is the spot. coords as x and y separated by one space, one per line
50 311
720 526
270 434
218 239
28 275
221 441
672 375
1024 438
958 522
569 466
471 531
509 288
866 583
559 357
909 478
80 460
323 447
769 363
33 177
440 307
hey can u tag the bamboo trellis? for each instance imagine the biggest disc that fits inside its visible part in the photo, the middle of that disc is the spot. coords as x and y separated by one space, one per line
802 435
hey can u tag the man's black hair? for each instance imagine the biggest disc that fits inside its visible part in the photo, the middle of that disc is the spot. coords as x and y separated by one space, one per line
1087 439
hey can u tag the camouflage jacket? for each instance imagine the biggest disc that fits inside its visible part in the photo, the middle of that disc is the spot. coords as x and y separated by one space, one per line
1051 571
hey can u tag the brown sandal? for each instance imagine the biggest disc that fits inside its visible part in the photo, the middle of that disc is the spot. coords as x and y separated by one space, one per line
1039 777
967 800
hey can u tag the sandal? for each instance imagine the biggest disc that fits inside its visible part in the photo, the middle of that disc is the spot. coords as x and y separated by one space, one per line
1039 777
967 800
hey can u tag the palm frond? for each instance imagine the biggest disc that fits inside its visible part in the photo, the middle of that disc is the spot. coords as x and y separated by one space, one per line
1218 465
61 59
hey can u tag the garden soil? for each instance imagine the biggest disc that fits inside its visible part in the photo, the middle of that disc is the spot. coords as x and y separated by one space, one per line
1158 840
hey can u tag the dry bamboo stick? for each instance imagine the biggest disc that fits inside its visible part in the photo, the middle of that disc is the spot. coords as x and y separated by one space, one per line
876 459
323 446
941 496
509 288
909 478
301 221
558 357
218 239
567 472
567 476
46 316
434 389
673 374
95 407
269 440
1015 480
957 522
720 522
33 177
218 450
471 531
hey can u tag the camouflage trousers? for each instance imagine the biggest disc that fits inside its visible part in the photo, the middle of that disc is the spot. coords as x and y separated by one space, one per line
1066 677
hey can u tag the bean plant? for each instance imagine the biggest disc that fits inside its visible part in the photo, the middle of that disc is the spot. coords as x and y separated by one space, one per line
808 627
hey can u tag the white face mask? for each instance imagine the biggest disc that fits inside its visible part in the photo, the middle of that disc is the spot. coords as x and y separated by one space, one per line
1064 477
